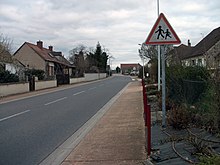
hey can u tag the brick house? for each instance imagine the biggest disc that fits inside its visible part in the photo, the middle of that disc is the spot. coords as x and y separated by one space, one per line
51 62
130 68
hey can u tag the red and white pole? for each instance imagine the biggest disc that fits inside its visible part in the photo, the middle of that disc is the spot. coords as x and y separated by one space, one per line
148 130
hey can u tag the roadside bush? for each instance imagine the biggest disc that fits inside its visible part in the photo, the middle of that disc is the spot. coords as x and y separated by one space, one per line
192 97
209 160
35 72
7 77
186 84
178 117
208 109
152 89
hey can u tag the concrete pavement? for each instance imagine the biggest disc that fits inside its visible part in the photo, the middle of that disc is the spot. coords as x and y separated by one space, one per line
118 138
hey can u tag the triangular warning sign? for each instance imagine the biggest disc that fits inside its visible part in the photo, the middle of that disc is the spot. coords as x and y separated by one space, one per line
162 33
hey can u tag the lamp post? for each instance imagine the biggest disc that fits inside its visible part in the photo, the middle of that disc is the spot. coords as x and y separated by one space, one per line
142 57
110 57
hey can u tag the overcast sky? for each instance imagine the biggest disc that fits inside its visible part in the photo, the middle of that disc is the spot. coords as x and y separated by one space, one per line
119 25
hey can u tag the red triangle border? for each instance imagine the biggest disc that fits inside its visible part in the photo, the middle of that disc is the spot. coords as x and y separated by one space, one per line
162 16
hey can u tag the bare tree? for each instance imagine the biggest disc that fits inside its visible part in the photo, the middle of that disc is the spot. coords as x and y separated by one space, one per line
5 51
77 57
5 48
148 51
76 50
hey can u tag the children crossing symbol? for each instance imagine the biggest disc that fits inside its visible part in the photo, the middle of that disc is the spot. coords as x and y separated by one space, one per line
162 33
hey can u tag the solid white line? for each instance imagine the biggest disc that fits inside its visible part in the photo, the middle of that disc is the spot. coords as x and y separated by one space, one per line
17 114
78 93
92 88
55 101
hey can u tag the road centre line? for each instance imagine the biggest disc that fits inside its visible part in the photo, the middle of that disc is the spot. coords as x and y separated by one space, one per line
17 114
78 93
55 101
92 88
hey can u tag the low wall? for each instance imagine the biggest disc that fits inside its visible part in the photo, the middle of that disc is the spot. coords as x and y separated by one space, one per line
10 89
88 77
45 84
77 80
103 75
94 76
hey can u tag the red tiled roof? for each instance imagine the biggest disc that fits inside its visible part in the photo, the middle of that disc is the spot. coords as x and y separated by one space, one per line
130 65
47 55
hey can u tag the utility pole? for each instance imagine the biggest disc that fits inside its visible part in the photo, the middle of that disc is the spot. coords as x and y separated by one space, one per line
158 52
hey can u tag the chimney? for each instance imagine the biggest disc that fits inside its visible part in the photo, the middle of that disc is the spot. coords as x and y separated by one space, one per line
189 44
40 44
50 48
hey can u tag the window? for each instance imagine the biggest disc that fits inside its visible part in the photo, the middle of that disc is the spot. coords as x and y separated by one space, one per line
193 62
199 62
50 71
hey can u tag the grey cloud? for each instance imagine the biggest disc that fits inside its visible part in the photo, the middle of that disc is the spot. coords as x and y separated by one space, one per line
119 25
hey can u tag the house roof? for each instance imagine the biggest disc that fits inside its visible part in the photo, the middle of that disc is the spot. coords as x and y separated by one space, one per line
203 46
48 55
207 42
182 51
130 65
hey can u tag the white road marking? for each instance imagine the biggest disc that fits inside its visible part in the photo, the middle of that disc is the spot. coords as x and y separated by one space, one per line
60 153
92 88
55 101
17 114
78 93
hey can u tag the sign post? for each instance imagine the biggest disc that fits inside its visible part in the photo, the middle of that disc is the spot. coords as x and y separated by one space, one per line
162 33
163 87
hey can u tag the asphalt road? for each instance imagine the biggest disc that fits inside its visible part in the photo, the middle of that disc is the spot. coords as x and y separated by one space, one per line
34 127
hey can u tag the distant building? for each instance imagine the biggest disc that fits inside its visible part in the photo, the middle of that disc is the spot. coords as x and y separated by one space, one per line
130 69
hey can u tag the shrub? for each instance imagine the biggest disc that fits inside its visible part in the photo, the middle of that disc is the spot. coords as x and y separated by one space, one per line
35 72
210 160
186 84
7 77
178 117
208 108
